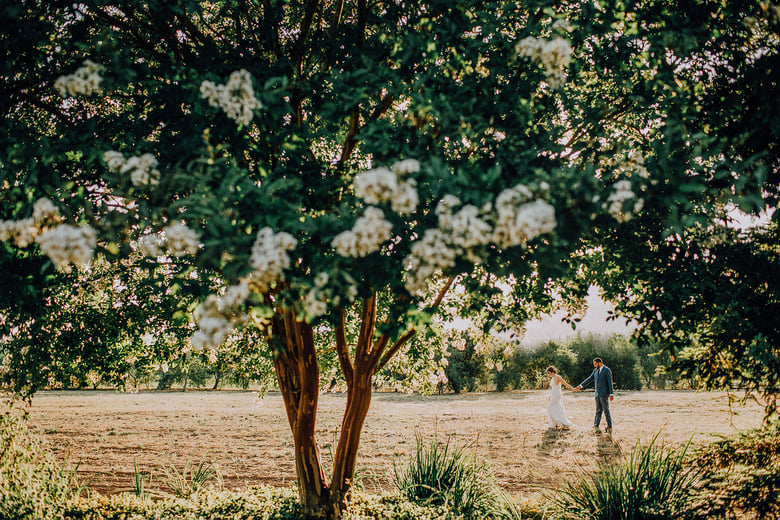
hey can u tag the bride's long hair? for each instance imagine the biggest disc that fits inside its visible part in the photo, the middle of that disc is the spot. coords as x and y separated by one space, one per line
552 369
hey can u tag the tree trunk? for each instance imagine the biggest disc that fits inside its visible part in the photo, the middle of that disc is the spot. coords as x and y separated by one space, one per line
298 375
358 403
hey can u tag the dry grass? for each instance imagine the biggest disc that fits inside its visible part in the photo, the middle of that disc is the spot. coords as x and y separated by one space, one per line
250 441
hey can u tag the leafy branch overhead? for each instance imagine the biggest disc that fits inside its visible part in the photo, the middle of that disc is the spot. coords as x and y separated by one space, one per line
322 173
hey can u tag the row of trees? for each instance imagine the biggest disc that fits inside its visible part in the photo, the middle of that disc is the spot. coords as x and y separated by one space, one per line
465 370
309 181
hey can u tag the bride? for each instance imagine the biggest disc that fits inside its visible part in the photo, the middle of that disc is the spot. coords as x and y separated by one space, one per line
557 414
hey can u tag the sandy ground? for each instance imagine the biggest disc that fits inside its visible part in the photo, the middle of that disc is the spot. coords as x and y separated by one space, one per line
249 440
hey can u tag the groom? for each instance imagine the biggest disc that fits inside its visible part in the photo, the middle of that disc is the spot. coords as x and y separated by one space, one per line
602 379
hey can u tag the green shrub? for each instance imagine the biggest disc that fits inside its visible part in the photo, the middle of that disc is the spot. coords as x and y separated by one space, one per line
32 484
256 503
652 484
618 353
466 370
741 475
444 474
526 368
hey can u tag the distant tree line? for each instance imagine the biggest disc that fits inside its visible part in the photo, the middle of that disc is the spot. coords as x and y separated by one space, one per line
634 366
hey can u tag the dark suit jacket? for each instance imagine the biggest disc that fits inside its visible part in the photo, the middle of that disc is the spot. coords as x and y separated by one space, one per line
603 382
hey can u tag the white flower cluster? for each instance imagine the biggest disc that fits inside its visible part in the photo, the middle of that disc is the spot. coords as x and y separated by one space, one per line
428 255
85 81
465 228
67 244
386 184
45 213
269 257
622 192
64 244
554 55
635 165
218 316
437 378
377 186
314 305
151 245
518 219
142 168
22 232
368 234
327 292
236 97
181 240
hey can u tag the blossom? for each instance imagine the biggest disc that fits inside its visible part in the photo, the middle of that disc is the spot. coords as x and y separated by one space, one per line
370 231
151 245
405 199
406 166
22 232
67 244
622 193
429 254
467 229
85 81
181 240
377 185
269 256
114 160
519 221
313 305
45 213
141 168
554 55
384 184
236 97
218 316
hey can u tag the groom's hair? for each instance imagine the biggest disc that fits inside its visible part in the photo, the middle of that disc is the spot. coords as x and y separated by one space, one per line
598 360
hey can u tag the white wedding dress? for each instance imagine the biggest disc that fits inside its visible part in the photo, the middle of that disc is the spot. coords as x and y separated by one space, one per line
555 411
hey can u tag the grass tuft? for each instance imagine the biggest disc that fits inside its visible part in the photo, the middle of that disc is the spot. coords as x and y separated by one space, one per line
652 484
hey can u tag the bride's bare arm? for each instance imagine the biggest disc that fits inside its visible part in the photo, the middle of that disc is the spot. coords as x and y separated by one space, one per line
567 385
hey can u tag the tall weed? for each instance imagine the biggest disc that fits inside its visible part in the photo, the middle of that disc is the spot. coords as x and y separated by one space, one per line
33 486
192 478
446 474
654 483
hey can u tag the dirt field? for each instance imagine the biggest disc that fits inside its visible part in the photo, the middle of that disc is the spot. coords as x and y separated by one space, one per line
104 432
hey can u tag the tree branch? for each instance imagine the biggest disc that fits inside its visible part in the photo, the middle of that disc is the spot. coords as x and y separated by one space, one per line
443 291
350 141
308 16
367 327
395 348
343 349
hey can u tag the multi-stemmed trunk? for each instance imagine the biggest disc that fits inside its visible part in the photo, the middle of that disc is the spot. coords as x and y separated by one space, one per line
298 375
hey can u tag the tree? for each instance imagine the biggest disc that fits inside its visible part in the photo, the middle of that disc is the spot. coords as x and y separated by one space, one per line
92 326
706 292
319 158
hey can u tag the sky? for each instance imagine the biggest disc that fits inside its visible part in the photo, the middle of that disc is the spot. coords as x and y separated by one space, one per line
551 327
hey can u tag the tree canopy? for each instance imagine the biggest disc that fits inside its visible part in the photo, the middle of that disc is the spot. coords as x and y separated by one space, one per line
326 160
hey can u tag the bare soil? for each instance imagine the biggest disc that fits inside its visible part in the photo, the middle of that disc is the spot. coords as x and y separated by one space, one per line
249 439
